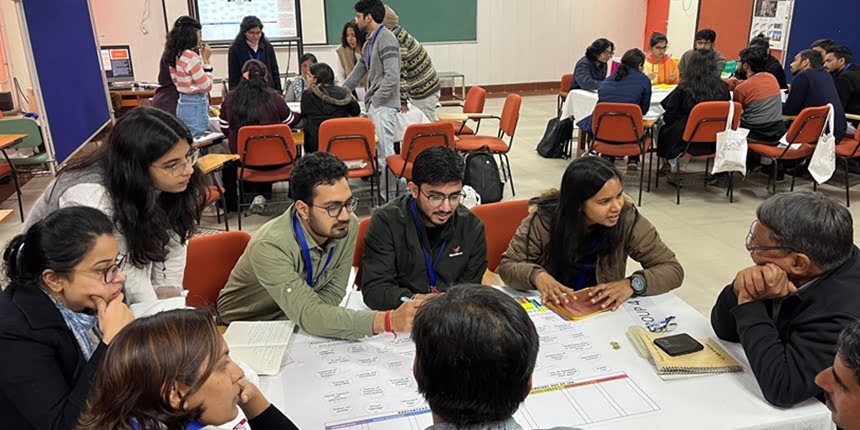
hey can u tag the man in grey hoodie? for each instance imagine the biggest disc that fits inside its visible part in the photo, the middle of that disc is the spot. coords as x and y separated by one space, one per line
381 61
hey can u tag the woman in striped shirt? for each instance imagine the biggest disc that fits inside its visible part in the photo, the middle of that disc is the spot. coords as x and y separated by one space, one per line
192 75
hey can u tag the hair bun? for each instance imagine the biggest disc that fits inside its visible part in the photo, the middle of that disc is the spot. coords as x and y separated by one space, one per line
12 254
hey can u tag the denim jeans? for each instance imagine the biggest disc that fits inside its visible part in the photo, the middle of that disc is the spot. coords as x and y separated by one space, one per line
193 110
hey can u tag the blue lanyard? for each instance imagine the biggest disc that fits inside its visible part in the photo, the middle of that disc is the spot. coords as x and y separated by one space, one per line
425 246
255 56
306 253
370 48
580 283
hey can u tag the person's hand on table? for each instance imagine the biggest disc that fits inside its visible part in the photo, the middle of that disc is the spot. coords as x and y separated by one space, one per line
763 282
551 290
652 75
113 316
251 399
424 297
611 295
401 318
670 77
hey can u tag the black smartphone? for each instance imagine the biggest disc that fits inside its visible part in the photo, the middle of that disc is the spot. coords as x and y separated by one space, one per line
678 344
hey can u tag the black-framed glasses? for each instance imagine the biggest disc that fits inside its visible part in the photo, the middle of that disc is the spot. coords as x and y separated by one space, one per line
177 167
752 248
335 209
436 200
109 274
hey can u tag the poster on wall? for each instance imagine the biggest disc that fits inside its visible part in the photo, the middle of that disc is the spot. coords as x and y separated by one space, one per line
772 19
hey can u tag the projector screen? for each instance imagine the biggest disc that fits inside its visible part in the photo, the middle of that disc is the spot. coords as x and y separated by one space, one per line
221 18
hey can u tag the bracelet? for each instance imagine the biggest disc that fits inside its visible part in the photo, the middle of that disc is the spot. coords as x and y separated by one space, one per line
388 328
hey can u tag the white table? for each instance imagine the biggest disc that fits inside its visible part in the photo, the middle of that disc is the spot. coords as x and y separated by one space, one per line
727 401
580 103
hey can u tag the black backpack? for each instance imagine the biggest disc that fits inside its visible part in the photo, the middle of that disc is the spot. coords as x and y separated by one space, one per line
482 174
556 139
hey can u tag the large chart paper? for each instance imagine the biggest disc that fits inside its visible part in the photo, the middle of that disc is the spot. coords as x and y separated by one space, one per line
221 18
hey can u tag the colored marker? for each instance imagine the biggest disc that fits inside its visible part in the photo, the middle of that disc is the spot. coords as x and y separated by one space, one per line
405 299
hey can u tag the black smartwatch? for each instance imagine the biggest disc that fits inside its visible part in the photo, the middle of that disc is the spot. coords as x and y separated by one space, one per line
637 283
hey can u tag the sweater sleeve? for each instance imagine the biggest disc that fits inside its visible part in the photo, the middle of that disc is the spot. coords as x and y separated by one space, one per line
843 88
645 101
379 275
272 419
661 269
796 97
389 54
354 78
582 76
285 114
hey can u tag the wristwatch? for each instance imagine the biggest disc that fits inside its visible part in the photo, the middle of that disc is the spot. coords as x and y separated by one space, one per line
637 282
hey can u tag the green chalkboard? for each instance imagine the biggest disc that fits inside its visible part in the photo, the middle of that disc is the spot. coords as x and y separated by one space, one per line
427 20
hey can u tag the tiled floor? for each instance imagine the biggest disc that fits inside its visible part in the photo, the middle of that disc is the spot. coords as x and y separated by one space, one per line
705 231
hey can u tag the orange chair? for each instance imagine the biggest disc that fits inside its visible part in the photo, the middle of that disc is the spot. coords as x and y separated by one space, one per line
496 145
208 265
705 121
847 149
215 193
474 103
501 221
352 139
269 147
359 249
564 90
618 132
420 137
805 130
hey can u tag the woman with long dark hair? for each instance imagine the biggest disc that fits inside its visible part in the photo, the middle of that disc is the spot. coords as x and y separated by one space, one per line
581 237
251 44
324 100
699 83
145 180
62 307
592 68
627 85
166 95
349 51
187 58
172 371
252 102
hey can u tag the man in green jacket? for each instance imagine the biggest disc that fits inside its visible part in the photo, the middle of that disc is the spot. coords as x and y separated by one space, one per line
423 242
297 265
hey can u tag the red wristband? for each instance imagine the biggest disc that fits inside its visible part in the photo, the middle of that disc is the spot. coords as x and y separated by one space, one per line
388 328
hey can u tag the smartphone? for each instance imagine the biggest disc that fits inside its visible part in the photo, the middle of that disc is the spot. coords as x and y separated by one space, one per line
679 344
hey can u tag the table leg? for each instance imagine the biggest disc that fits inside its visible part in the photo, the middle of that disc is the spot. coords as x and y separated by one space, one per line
17 186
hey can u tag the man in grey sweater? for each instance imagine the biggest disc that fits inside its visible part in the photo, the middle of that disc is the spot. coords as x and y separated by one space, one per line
381 60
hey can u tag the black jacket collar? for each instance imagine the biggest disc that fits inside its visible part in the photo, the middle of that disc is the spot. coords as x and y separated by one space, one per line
37 308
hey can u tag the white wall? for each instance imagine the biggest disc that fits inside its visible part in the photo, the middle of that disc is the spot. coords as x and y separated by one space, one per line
682 25
122 23
15 44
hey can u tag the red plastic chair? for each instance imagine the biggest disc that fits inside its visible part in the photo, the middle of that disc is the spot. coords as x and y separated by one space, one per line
264 146
805 130
420 137
618 132
501 221
847 149
563 90
474 103
705 121
352 139
359 250
496 145
209 261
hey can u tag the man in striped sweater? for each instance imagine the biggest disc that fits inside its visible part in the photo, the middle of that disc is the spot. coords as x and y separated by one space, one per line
760 97
418 80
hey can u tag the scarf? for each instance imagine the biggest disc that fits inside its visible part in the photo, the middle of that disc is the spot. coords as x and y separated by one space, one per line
253 46
81 324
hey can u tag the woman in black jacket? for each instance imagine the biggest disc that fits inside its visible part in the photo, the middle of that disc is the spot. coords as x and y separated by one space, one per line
324 100
63 306
251 44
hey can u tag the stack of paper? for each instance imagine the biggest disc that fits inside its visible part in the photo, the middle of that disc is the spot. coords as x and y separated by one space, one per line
711 360
260 344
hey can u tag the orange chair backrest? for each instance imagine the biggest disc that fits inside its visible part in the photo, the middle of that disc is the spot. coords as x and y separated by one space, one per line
423 136
266 145
500 223
475 99
511 114
208 264
709 118
808 125
349 138
359 249
617 123
566 80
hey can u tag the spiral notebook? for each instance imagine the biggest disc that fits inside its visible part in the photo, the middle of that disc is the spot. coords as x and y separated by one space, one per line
712 359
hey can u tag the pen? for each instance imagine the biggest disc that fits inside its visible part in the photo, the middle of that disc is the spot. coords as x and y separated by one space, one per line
405 299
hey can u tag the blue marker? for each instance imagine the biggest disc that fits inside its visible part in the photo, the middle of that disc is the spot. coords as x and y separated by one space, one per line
405 299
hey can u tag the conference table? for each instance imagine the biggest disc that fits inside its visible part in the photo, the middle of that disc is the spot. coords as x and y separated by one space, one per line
332 384
580 103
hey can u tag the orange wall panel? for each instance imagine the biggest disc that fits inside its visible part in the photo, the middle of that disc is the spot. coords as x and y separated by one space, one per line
657 19
731 20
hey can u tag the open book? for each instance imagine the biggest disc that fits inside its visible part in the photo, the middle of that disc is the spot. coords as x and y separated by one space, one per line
260 344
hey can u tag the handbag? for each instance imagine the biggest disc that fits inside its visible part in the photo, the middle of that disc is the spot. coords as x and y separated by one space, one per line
823 162
731 153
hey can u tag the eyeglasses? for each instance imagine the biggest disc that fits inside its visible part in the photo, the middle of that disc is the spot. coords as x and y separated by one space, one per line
752 249
609 53
109 274
176 168
661 48
335 209
436 200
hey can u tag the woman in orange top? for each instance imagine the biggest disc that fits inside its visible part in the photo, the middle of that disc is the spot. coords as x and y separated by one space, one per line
659 67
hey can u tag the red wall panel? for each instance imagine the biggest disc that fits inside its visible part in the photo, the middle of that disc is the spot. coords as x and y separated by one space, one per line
731 20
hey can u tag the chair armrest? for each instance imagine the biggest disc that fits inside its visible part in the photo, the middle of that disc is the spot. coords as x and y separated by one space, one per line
852 116
445 116
789 117
450 103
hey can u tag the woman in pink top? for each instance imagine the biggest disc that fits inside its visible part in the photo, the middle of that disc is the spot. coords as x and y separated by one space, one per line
192 75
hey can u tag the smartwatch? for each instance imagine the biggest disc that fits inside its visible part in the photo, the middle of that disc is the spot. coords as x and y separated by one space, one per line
637 282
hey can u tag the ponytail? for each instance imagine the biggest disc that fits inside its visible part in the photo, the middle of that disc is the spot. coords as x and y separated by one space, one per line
632 60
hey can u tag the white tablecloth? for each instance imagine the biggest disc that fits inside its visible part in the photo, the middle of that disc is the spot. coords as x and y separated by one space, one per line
727 401
580 103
